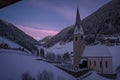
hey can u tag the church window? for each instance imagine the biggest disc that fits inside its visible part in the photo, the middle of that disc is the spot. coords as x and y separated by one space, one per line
76 38
100 64
81 37
94 63
90 63
106 64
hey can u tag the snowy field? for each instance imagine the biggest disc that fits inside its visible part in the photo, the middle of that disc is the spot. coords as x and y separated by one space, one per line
13 65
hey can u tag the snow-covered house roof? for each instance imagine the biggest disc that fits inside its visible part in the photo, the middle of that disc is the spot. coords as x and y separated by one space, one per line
111 38
95 76
96 51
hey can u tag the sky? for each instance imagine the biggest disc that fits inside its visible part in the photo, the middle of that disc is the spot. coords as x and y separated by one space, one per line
40 18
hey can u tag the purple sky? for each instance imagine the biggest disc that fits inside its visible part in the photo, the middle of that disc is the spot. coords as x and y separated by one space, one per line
40 18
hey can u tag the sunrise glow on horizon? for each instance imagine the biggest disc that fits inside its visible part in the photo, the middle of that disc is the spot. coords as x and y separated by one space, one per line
40 18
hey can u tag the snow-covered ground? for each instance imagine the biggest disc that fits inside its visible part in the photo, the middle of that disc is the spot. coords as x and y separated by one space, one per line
61 49
115 52
10 43
13 65
68 47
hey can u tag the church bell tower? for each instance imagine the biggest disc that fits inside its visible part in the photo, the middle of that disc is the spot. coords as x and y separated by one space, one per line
78 40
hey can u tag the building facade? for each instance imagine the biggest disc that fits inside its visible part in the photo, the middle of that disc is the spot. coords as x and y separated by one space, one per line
98 58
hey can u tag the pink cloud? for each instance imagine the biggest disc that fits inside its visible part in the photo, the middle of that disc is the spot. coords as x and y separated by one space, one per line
37 33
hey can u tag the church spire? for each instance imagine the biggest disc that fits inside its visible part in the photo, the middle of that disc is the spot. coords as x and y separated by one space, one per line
78 24
78 40
78 20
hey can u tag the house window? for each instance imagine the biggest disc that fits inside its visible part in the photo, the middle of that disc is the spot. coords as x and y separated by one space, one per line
94 63
76 38
100 64
106 64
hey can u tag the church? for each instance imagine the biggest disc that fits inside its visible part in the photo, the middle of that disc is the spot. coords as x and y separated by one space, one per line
95 57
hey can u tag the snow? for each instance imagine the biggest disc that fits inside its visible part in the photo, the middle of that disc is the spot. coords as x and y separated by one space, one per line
96 51
10 43
95 76
115 38
115 52
61 49
13 65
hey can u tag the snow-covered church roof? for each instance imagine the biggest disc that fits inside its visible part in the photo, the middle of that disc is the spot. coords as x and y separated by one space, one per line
95 76
96 51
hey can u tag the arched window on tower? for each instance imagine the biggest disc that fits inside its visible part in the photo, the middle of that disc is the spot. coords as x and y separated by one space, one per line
76 38
81 37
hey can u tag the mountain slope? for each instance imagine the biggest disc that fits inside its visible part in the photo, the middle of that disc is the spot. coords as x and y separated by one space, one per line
104 21
45 39
65 35
11 32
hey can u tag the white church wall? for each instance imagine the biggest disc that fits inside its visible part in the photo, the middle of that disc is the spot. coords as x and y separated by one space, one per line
107 65
99 64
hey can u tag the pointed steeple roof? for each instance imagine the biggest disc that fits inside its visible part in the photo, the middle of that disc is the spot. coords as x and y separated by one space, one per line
78 20
78 24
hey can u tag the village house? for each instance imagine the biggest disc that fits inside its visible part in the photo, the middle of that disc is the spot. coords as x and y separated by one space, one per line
3 45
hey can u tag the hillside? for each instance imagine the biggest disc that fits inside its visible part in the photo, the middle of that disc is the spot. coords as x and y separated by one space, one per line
15 63
64 35
10 43
11 32
104 21
45 39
